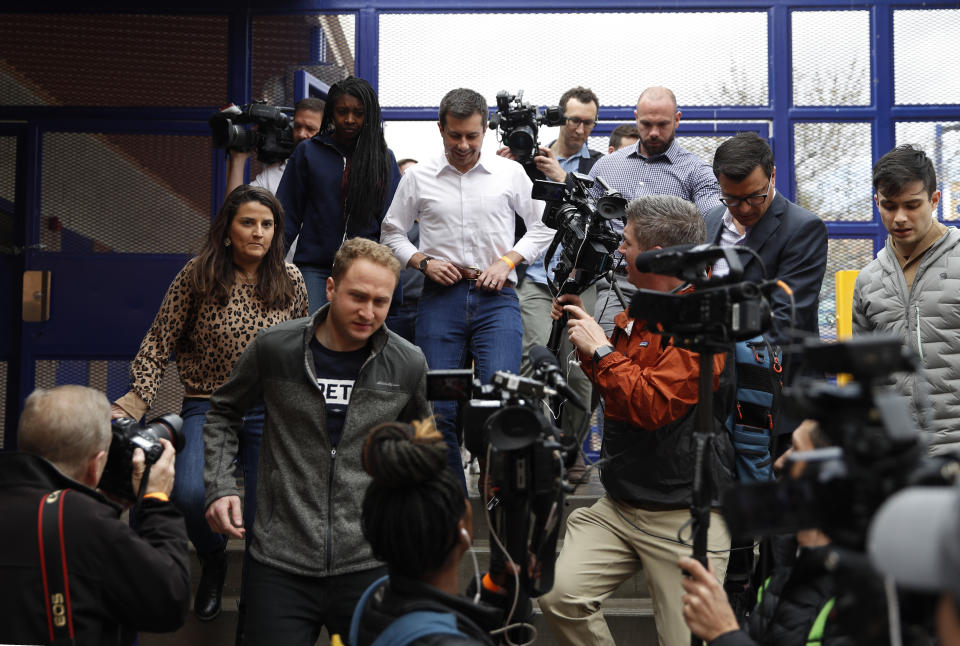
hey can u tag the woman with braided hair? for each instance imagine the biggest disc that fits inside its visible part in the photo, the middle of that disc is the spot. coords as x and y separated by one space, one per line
339 184
416 520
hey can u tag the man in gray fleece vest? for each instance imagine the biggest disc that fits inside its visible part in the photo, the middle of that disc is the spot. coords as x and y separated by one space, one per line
325 381
912 289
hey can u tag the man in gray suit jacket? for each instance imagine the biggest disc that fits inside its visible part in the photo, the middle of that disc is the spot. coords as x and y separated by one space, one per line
791 242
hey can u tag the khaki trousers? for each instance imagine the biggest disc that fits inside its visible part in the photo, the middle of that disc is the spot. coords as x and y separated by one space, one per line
601 550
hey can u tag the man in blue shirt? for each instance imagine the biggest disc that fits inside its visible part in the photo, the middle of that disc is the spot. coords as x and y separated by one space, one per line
569 153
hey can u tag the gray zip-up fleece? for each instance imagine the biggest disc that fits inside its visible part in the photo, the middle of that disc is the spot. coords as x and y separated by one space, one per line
927 319
308 494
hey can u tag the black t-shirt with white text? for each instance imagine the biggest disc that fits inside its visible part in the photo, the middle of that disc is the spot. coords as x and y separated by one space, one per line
336 374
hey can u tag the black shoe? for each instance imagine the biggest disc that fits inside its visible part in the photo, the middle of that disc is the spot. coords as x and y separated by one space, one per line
206 605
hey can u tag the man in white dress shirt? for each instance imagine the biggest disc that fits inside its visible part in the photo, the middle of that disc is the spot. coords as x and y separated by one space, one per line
468 250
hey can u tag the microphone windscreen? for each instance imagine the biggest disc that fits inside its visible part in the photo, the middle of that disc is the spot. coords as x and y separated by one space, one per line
540 355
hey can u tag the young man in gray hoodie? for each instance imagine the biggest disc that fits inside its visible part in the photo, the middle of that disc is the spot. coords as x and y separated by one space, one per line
325 381
912 289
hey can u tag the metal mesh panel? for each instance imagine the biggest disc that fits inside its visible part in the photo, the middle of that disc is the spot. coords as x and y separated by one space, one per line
51 373
113 60
941 141
8 175
57 372
125 193
323 45
852 253
8 167
831 57
702 147
925 56
672 51
834 169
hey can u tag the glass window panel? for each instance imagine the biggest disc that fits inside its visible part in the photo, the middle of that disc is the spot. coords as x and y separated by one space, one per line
833 167
284 44
678 49
138 194
831 57
842 253
941 141
113 59
925 56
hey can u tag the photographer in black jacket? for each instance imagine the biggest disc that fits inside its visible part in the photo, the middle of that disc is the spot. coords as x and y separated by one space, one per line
120 580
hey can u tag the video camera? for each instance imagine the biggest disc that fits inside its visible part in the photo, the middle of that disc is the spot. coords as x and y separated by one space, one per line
272 138
518 124
877 448
584 230
505 420
128 435
721 309
583 227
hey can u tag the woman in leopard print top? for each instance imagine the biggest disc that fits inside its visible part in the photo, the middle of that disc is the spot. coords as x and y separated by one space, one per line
237 286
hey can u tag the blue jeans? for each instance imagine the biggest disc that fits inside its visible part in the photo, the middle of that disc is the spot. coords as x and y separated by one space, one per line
316 281
189 492
459 321
402 319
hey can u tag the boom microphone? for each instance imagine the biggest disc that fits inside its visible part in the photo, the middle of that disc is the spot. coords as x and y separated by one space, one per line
544 362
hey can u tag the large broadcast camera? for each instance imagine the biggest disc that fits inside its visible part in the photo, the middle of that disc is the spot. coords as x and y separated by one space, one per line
584 229
128 435
518 124
272 138
877 448
525 459
720 311
877 451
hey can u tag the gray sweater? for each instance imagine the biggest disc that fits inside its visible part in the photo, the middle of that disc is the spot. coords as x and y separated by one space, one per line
927 319
308 494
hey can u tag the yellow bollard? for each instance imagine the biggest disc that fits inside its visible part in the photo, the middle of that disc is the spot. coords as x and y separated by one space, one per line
844 281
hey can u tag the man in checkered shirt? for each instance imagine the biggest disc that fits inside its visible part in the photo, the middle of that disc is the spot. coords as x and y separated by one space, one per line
655 165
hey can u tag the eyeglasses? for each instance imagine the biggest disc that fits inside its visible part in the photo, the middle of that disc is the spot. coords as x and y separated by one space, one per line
751 200
576 122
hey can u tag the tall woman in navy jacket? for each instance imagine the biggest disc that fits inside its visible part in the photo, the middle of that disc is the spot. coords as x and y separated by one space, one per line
339 184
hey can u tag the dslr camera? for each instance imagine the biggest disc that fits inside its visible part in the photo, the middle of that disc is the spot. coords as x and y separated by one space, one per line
128 435
272 138
518 124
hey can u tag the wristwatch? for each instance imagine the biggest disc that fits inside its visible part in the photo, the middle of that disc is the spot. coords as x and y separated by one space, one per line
423 264
601 352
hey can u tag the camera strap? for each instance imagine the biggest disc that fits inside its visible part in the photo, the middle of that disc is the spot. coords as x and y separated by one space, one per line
53 566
